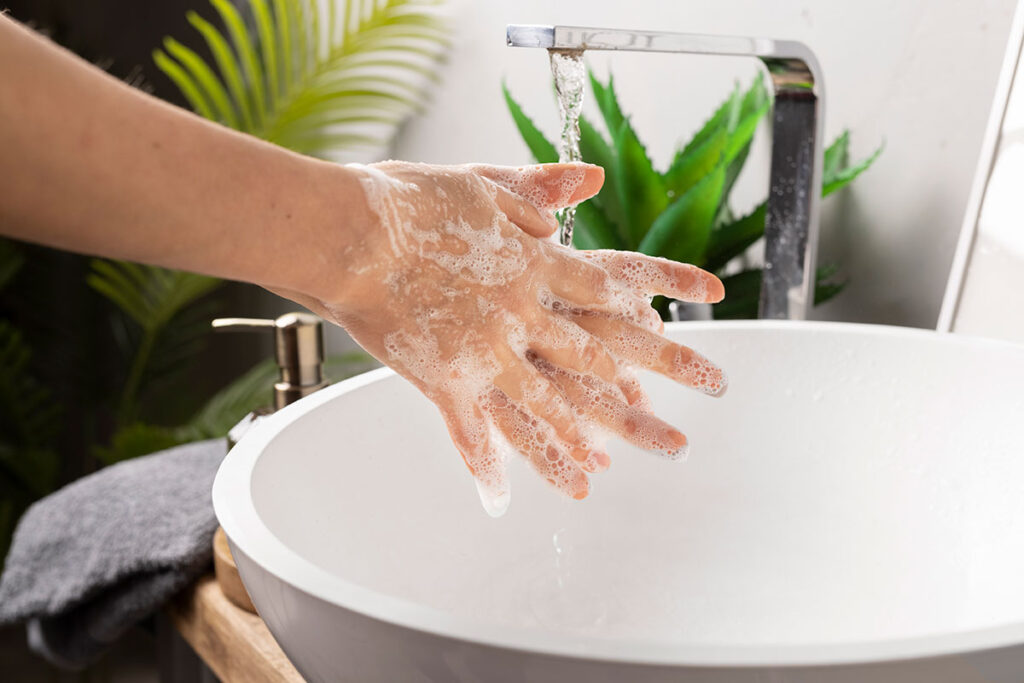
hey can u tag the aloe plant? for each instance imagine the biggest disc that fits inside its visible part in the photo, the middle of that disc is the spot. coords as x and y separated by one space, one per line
683 213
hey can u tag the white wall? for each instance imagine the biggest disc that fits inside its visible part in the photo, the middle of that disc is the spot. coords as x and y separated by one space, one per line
916 74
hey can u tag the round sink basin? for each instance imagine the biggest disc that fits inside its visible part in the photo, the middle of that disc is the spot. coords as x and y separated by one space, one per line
851 510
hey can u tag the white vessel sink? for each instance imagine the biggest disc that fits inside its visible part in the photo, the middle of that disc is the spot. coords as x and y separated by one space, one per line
852 510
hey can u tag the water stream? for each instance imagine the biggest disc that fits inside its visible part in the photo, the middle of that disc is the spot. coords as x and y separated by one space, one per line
570 76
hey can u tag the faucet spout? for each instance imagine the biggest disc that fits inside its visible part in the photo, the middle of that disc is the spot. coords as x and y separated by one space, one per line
791 221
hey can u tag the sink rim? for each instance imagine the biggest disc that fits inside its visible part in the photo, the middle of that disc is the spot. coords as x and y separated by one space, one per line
236 512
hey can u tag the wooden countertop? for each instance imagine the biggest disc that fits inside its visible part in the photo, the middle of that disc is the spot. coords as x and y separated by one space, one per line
234 643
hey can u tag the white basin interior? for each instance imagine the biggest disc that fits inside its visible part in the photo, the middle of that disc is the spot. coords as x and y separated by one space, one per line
856 495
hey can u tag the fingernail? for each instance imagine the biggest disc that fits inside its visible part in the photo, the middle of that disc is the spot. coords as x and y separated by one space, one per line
596 462
580 454
680 454
716 291
716 383
677 437
582 493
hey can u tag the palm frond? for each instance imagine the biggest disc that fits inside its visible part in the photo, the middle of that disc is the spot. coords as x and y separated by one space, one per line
26 407
155 299
28 418
253 389
318 78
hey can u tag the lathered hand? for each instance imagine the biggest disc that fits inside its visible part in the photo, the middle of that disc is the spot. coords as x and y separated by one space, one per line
513 337
441 272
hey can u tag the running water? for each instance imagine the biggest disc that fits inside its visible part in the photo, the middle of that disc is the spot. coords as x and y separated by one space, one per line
567 69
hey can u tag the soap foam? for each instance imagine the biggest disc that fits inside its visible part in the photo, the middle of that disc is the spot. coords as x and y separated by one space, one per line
678 362
456 367
652 274
535 183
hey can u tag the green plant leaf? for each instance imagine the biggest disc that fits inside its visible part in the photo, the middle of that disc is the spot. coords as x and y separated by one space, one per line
593 228
837 156
740 138
201 73
134 440
594 149
845 176
826 284
755 104
12 258
28 416
29 427
695 162
228 66
704 150
268 47
641 190
288 86
724 117
284 16
153 298
244 47
253 390
542 150
743 292
608 104
755 97
727 134
681 233
188 87
732 239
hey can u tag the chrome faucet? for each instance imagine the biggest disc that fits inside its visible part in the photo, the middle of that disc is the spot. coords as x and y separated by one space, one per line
791 222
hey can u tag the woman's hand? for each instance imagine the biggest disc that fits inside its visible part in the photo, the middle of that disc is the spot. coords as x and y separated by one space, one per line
441 272
512 336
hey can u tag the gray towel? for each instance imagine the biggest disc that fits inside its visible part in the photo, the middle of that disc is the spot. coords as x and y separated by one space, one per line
101 554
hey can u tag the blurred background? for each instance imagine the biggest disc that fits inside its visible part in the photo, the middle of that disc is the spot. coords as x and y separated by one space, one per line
912 77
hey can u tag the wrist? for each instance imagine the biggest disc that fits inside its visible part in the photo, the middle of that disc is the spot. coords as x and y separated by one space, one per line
319 247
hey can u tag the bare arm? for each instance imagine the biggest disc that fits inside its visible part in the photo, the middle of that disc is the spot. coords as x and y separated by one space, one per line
92 165
439 271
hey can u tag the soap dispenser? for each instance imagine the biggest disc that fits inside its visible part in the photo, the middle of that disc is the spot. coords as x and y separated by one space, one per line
299 350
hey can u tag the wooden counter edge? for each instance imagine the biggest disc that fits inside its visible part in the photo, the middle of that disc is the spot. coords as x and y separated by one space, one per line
234 643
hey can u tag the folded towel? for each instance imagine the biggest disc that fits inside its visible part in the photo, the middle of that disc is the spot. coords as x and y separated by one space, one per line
106 551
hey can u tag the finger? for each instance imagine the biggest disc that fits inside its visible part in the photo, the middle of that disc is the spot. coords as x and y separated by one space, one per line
648 275
567 345
528 436
635 425
632 390
596 462
581 285
643 348
470 432
525 215
533 392
547 186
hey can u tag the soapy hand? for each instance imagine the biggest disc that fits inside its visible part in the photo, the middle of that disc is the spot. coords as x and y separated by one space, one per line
516 339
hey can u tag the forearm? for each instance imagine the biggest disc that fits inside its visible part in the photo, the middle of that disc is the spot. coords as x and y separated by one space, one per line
92 165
